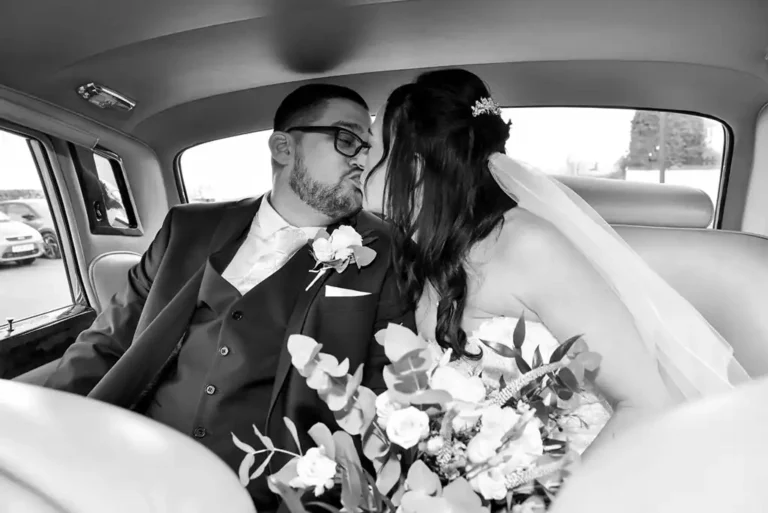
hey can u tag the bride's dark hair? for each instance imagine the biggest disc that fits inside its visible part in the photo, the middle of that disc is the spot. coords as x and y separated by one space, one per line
439 187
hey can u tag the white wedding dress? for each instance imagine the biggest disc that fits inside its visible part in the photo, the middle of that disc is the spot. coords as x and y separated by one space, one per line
588 418
692 357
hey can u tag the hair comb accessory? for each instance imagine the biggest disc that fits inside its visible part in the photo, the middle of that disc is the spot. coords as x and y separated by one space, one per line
486 106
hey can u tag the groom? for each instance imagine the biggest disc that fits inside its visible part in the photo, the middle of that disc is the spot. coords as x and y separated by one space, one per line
197 340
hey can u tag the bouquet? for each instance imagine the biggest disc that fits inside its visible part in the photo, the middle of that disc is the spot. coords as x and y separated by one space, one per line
439 439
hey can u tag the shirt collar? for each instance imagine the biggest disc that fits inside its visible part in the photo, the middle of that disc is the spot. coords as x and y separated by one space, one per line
269 221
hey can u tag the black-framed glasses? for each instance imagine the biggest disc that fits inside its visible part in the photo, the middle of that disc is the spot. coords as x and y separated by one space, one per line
345 141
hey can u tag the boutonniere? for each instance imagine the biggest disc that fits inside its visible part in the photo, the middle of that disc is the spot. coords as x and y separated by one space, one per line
337 250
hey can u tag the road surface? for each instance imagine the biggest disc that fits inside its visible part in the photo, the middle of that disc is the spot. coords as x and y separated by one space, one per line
34 289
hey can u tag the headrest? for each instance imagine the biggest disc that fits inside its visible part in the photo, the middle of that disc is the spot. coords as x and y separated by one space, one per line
644 204
63 452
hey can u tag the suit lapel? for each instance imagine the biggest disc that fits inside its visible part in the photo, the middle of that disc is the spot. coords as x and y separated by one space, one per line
232 226
298 319
296 326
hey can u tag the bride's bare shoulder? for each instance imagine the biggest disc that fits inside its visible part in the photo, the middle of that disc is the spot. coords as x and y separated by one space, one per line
526 236
530 246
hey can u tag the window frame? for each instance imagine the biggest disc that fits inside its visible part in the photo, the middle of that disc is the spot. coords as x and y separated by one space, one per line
46 335
99 224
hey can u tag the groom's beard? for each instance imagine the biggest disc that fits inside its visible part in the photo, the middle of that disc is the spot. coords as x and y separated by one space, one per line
332 200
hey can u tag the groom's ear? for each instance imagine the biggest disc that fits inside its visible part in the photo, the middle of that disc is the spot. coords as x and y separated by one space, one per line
281 147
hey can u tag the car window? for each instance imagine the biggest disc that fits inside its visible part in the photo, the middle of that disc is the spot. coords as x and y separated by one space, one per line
33 276
104 187
116 210
610 143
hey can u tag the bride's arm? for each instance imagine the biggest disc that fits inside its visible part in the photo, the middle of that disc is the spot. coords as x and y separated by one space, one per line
555 281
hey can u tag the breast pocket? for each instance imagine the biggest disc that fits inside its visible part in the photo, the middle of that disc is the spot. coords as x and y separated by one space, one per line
347 319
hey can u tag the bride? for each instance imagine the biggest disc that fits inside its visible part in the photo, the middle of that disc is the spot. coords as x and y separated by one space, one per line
481 236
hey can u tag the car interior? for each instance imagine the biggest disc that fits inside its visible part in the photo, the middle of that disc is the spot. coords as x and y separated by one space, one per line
106 97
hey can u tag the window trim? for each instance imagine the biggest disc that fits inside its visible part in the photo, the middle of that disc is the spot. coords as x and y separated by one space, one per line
103 226
42 151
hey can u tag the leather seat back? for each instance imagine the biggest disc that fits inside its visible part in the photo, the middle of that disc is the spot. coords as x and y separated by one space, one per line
723 274
108 274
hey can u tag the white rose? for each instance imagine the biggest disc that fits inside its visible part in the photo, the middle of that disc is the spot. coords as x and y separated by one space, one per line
466 417
498 329
460 386
386 406
497 421
407 427
524 451
490 484
342 254
322 250
434 445
482 448
314 469
345 237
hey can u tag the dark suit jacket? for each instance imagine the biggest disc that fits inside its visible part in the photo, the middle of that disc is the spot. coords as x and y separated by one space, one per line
138 335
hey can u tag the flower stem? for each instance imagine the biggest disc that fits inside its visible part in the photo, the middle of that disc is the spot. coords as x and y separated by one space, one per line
319 274
289 453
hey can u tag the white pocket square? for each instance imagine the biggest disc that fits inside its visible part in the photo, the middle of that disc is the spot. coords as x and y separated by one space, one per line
339 292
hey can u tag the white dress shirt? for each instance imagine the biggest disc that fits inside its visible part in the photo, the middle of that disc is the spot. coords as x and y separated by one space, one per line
270 243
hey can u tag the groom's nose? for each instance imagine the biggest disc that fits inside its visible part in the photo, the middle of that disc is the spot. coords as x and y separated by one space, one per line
359 160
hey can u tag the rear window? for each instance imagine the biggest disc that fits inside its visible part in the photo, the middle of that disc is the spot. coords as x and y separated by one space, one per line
616 144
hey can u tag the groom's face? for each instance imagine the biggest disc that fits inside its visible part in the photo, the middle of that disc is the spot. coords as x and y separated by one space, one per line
323 177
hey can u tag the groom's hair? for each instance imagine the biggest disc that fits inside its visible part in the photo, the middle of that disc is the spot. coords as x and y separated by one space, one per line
305 104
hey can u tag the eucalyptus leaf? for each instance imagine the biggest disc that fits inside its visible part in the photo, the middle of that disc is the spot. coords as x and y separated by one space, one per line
260 470
264 439
462 497
518 336
292 429
591 361
323 438
363 256
580 346
322 505
351 484
359 413
389 474
568 379
242 445
375 443
291 498
420 478
345 448
245 468
399 340
577 368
